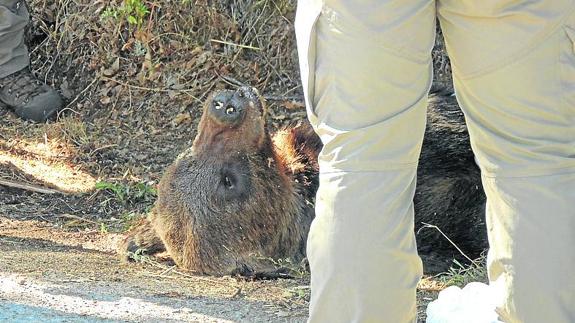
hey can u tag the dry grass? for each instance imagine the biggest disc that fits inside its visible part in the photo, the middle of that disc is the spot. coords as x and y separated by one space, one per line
134 91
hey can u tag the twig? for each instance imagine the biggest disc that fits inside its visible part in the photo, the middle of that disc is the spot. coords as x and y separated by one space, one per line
235 45
166 269
282 98
75 217
427 225
151 89
231 81
81 93
100 148
29 187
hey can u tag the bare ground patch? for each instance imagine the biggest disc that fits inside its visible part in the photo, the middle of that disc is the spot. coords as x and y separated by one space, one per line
79 273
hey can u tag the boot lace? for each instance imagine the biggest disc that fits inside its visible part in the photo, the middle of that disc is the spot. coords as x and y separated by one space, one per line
23 85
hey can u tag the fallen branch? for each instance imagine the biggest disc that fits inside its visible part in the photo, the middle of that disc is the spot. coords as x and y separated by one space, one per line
29 187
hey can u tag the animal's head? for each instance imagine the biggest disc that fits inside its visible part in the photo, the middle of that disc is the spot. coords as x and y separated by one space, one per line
232 121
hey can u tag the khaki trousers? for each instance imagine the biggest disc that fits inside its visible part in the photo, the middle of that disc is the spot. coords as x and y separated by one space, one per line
13 20
366 71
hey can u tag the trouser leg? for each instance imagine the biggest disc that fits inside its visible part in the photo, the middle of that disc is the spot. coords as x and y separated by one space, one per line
514 74
13 52
366 71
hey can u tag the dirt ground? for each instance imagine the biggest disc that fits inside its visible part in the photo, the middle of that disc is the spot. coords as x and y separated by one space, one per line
51 274
134 82
78 273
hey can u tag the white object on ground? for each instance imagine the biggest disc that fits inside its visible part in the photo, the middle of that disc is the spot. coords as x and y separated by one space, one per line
475 303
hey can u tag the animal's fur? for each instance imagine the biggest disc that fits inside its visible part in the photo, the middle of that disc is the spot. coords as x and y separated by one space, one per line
211 229
207 228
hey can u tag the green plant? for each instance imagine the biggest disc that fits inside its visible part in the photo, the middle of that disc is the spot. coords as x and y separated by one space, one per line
103 228
140 256
132 11
118 190
461 275
139 192
298 293
139 49
143 192
127 220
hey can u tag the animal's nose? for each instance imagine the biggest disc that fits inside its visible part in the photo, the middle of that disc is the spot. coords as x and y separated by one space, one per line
229 107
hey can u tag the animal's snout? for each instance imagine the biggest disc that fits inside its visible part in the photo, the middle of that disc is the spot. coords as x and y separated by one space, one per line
228 107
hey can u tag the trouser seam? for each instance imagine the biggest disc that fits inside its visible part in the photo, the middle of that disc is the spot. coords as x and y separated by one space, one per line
513 58
418 59
401 167
385 45
558 171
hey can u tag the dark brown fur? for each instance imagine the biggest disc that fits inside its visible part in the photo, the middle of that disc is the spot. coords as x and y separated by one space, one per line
268 213
209 228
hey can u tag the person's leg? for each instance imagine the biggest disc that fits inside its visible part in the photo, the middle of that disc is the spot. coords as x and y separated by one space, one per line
19 89
13 52
366 71
514 74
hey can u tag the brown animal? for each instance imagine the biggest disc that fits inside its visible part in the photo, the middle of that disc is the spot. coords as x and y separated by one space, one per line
238 197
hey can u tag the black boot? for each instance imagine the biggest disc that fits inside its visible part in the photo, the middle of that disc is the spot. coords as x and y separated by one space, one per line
29 97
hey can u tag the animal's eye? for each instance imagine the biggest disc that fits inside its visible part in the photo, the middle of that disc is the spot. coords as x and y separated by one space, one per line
230 110
228 183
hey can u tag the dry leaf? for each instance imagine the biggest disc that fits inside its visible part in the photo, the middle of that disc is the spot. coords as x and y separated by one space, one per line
105 100
112 70
182 118
293 105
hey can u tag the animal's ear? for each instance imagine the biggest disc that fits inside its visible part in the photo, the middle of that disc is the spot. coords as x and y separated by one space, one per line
210 100
253 94
306 139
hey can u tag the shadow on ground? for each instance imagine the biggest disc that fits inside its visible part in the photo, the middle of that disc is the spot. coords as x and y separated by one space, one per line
58 274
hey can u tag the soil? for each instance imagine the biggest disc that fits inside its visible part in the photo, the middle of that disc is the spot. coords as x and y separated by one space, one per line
134 94
78 273
50 274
